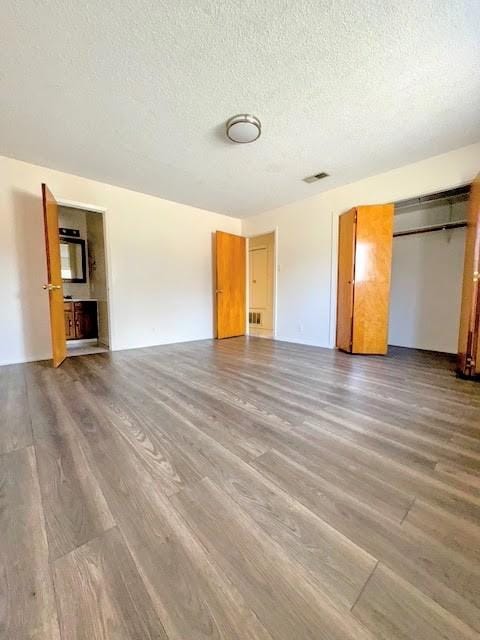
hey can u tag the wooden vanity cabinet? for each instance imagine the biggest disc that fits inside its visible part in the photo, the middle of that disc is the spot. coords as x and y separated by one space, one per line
80 319
69 326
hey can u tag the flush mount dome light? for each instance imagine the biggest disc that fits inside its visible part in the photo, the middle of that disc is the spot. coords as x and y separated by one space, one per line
244 128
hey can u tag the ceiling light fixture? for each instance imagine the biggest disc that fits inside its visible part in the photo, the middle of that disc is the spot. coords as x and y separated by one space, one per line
243 128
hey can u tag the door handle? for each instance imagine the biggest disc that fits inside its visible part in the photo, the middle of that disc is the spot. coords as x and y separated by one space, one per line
219 291
51 287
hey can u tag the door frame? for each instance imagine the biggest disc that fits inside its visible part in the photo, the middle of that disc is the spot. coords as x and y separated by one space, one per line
72 204
468 351
275 277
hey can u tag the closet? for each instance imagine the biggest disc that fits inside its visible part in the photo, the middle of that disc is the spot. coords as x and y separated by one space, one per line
364 266
429 234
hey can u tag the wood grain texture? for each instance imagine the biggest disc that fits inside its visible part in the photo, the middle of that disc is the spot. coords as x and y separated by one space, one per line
27 602
373 263
290 606
230 257
110 598
241 489
345 281
390 607
469 333
54 275
15 427
75 508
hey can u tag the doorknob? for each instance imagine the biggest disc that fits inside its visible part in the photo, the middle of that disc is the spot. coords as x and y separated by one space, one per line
219 291
51 287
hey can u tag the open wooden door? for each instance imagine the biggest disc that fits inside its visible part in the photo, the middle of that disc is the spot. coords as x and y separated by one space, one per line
346 274
54 285
230 262
468 363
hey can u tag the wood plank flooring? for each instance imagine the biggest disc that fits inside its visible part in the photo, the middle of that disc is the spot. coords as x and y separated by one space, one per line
236 490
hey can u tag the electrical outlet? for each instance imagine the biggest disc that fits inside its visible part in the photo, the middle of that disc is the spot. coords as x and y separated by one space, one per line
300 327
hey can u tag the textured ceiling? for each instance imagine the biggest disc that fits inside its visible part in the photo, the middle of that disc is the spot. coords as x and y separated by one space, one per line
135 92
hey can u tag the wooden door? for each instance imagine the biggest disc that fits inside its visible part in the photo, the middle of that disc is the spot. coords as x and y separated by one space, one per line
468 363
346 274
373 267
230 259
54 286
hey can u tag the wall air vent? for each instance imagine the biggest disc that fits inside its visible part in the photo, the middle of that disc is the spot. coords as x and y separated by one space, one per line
316 177
254 317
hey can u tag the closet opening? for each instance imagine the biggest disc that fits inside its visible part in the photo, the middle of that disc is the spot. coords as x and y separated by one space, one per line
84 279
261 285
428 256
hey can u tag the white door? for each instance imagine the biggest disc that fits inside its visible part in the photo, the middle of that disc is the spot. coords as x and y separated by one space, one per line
259 278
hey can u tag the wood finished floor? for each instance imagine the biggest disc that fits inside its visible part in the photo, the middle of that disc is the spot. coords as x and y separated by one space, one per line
243 489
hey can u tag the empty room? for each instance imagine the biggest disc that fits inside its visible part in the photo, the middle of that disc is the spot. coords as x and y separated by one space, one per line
240 320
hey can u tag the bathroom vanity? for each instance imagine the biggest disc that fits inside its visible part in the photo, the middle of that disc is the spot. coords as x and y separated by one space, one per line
80 319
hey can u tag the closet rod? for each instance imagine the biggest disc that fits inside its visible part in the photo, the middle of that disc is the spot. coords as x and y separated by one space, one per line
435 227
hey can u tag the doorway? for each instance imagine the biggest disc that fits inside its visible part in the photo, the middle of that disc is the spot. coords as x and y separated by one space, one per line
84 278
244 285
261 285
77 275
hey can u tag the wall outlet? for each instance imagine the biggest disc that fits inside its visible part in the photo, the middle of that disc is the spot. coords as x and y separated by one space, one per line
300 327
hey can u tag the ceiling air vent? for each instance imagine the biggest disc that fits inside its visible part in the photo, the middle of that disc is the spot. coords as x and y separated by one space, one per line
317 176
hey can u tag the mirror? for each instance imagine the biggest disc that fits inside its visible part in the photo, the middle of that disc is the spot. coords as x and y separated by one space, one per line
73 260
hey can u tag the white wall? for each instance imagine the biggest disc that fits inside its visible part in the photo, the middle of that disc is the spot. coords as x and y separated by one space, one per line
308 236
159 262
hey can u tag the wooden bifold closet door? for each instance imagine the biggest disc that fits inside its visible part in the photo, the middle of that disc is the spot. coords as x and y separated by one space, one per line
346 271
364 268
468 363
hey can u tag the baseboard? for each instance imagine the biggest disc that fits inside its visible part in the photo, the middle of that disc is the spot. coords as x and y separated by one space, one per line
307 342
39 358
